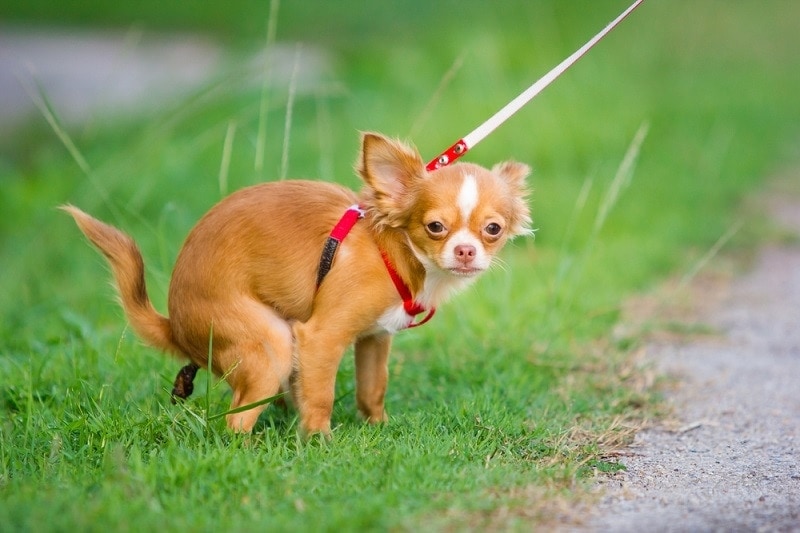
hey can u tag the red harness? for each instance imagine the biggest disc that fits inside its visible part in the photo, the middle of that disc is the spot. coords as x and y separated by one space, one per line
338 233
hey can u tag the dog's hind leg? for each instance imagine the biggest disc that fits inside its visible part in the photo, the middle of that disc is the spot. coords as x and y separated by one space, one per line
259 361
319 348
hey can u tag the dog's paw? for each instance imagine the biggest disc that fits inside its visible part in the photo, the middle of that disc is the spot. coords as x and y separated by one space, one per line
310 427
379 418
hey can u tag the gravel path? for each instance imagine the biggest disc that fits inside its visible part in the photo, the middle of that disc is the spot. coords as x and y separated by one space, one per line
732 463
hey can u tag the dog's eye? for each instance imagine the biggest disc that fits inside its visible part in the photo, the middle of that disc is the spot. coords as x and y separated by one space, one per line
493 229
435 228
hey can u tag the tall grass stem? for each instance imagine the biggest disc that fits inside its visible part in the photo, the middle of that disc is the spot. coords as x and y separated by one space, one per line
325 136
711 253
287 125
225 163
261 136
433 101
209 372
622 178
40 100
619 183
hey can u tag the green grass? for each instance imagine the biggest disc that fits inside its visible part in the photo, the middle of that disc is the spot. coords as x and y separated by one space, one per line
510 398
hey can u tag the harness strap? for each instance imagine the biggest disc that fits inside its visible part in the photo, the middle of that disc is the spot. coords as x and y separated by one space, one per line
338 233
353 214
411 307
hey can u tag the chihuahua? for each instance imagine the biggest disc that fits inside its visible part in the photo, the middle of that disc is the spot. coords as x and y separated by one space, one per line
251 278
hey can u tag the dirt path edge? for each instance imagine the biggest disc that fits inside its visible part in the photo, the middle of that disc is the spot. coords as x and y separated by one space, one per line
730 459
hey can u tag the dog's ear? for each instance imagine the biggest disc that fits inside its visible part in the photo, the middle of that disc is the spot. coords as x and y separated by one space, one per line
389 168
514 174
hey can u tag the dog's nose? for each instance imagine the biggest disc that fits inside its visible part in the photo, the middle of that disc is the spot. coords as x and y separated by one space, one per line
465 253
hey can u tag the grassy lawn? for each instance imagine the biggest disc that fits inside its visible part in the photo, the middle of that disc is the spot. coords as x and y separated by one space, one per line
512 397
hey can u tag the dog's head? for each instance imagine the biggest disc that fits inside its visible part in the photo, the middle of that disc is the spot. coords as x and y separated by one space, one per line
456 218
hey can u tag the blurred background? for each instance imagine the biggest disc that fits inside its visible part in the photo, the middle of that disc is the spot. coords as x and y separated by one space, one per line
146 113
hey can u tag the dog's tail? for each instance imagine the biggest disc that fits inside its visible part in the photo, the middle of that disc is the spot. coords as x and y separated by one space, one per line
128 267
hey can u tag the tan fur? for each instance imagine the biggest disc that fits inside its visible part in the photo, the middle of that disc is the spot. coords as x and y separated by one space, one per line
248 270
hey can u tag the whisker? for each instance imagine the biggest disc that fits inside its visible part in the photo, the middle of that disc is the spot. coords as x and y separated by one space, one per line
499 263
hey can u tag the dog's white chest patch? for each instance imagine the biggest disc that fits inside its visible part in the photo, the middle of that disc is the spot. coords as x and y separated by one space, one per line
394 319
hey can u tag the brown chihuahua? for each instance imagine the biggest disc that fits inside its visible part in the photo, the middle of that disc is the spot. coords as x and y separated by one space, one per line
250 274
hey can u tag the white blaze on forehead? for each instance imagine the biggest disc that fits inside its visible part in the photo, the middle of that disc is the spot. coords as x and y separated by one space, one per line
468 196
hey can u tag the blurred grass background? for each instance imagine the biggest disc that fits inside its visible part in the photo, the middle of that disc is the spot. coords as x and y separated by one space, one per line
512 370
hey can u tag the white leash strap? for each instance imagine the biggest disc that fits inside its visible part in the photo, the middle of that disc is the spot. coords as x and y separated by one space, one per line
462 146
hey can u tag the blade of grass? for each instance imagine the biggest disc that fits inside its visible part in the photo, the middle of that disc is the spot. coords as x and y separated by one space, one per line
566 259
710 254
426 112
247 407
564 301
261 136
622 178
120 341
209 361
225 163
287 125
38 96
325 137
42 103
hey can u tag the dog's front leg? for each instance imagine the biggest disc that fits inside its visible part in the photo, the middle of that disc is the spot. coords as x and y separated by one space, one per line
372 376
318 352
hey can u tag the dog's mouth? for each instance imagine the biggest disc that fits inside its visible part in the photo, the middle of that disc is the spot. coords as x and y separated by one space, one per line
465 271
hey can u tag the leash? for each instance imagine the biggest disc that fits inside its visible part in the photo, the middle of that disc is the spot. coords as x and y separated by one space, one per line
466 143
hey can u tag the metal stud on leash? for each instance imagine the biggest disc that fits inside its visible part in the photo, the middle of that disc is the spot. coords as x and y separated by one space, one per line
463 145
